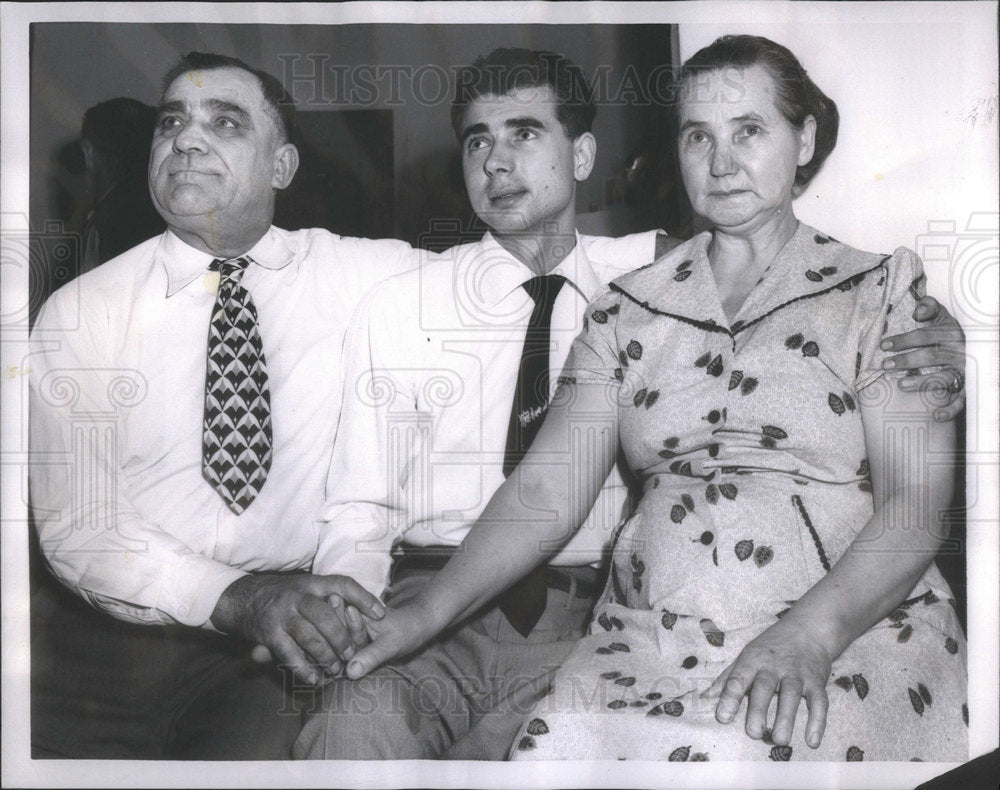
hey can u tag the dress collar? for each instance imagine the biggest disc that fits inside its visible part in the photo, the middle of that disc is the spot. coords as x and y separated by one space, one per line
184 264
681 283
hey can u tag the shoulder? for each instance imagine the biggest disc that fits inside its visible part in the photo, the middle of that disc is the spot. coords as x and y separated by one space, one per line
386 255
613 256
650 276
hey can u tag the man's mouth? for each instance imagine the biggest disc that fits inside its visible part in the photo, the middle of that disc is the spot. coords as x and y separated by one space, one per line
504 197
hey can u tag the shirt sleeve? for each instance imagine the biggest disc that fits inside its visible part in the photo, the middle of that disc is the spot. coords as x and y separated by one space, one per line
897 287
594 357
94 539
612 257
364 513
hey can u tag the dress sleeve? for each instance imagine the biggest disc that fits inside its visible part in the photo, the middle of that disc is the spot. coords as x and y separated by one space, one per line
897 287
593 357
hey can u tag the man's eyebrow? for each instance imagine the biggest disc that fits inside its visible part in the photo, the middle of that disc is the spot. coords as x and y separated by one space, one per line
476 128
171 106
524 122
228 107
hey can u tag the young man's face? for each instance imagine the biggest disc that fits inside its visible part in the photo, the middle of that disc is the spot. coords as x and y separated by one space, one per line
520 166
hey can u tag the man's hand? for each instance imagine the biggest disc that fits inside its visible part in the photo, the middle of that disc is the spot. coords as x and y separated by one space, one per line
784 661
300 619
940 343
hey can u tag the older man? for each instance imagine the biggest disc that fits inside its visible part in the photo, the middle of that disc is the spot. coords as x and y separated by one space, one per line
184 402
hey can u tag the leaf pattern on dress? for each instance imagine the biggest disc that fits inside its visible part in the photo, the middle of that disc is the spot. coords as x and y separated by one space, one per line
679 755
826 271
614 673
713 634
855 754
688 502
619 375
863 469
668 620
652 397
625 681
810 349
844 682
774 432
715 366
820 239
617 624
698 757
634 349
836 404
617 704
735 378
743 549
916 702
905 633
537 727
795 341
604 621
748 385
639 397
860 685
599 316
728 490
965 713
620 647
703 360
951 645
672 442
677 513
712 494
682 276
812 276
526 744
604 651
763 555
690 662
713 416
848 401
925 695
781 754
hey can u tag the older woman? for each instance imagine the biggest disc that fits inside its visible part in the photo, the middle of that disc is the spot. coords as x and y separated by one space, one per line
782 547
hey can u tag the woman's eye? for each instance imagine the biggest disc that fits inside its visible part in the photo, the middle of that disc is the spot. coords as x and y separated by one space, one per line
697 137
751 130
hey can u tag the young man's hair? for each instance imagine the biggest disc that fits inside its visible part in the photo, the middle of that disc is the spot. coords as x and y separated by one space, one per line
508 69
277 99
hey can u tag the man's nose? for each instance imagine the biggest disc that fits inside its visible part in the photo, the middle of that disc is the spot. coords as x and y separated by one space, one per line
499 160
723 161
191 137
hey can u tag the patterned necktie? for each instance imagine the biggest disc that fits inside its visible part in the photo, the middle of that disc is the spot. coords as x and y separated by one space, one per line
524 603
236 436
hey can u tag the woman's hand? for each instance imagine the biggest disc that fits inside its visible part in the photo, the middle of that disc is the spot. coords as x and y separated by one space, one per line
938 342
398 633
785 660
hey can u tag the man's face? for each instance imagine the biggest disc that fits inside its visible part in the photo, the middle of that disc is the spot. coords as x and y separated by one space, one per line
215 154
520 166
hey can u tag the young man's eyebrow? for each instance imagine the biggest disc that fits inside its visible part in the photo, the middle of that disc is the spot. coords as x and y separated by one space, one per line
524 122
476 128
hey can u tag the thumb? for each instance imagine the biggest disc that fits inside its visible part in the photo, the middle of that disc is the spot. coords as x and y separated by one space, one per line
372 656
261 655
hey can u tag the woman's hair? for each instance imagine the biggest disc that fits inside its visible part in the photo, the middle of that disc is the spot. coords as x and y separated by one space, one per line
798 95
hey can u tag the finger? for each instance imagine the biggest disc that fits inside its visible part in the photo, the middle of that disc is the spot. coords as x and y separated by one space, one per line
356 627
289 655
936 390
313 642
374 655
761 692
720 682
354 593
261 655
818 703
926 357
947 334
926 309
789 695
329 622
731 697
952 410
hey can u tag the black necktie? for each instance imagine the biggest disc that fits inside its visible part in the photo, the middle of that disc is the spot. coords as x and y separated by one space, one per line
236 435
524 603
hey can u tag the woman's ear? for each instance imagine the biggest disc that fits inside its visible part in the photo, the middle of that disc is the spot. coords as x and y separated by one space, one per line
807 141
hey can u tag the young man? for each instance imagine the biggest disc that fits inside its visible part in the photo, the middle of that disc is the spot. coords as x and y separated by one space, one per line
437 409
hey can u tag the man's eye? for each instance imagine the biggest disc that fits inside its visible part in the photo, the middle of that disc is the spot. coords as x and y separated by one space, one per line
227 123
169 122
526 134
476 144
697 137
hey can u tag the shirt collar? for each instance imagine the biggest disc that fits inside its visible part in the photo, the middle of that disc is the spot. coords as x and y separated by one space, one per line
184 264
681 283
501 273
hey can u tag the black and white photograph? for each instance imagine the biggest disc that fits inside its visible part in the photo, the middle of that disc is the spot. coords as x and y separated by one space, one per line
500 394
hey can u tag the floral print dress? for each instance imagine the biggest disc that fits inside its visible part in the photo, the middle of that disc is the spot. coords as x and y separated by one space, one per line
748 443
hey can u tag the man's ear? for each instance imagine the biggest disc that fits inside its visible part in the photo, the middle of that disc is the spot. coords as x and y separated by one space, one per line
584 152
286 162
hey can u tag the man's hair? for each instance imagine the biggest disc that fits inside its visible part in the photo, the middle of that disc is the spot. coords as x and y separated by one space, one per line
120 130
276 98
798 96
508 69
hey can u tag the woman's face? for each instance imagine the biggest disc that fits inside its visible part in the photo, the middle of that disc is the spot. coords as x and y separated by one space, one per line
738 152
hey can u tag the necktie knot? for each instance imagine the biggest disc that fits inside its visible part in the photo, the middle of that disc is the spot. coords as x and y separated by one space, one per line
230 269
544 289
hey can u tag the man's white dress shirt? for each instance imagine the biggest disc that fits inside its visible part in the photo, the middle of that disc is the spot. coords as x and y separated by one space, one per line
430 368
118 385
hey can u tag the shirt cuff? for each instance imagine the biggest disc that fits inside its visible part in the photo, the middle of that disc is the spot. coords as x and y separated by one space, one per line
195 586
